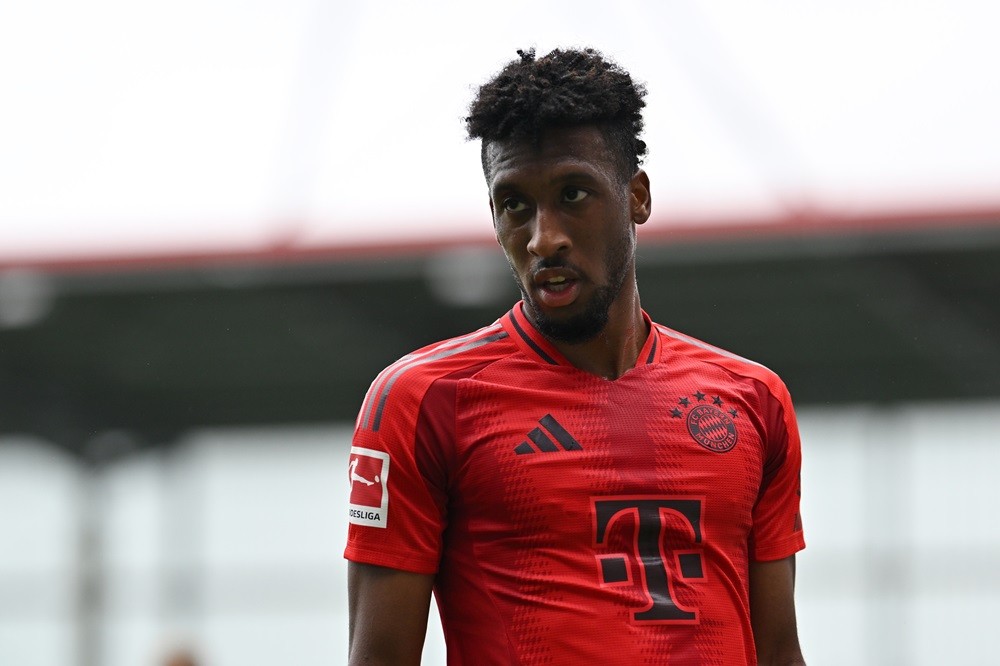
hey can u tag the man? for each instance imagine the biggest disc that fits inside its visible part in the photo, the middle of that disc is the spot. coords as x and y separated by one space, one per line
575 483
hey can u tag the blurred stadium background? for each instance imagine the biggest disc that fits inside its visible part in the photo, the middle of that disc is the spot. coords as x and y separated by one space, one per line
220 220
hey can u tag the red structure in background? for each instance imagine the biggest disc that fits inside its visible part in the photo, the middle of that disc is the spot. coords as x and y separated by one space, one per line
806 223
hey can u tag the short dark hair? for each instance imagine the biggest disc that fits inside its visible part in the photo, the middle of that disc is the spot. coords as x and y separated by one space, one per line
562 89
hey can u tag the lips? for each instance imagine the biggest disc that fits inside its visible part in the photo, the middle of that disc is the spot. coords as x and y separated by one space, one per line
556 287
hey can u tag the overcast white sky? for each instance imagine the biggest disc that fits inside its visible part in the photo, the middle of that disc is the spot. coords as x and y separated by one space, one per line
160 127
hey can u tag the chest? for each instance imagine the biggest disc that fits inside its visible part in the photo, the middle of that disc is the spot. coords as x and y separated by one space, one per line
544 452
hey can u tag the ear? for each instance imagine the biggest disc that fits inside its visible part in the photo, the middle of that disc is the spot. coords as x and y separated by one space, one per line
640 200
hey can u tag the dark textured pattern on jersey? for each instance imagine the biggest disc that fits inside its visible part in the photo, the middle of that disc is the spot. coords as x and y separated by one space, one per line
521 503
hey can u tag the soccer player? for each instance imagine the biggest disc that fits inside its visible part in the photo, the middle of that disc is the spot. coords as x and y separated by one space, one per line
575 483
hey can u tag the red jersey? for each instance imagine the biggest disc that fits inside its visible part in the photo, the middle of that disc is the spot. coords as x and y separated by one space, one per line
570 519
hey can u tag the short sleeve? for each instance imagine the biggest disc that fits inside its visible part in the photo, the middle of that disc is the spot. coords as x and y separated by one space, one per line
397 517
777 525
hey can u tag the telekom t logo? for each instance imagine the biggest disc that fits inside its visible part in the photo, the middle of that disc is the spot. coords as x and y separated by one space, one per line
657 550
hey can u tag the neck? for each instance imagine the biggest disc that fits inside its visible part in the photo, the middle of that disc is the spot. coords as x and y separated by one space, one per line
614 351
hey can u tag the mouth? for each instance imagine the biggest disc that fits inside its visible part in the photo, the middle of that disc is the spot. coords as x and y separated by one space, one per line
557 284
556 287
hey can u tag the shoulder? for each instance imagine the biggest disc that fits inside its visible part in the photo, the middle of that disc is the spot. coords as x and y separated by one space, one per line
680 345
401 387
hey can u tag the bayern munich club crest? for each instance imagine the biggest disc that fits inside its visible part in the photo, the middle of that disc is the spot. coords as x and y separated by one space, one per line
709 421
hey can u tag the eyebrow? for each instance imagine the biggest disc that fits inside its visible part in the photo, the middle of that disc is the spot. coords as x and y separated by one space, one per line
570 176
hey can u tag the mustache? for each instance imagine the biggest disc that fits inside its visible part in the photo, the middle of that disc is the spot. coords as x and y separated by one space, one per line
553 262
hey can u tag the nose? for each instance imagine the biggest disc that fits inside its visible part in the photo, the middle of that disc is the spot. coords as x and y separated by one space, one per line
549 235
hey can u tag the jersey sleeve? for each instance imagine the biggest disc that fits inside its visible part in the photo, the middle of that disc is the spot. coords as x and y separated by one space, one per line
777 526
397 509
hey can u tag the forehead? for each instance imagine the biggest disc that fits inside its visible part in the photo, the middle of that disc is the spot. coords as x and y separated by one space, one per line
581 147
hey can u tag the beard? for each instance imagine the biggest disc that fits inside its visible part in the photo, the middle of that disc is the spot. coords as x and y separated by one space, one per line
586 325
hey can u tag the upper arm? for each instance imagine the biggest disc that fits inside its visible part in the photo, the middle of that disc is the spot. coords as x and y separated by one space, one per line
388 614
772 612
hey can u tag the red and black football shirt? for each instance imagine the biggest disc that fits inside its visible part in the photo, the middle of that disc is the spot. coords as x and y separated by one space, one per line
568 518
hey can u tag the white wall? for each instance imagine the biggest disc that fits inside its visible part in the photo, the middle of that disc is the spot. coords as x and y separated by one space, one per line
231 542
38 546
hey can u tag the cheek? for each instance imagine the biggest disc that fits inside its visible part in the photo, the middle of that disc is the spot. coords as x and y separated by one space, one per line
510 250
514 241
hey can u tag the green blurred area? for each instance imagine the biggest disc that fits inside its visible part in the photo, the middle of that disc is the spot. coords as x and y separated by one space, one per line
153 352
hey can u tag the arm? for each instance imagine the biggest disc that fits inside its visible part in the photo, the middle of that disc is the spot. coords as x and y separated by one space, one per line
388 615
772 613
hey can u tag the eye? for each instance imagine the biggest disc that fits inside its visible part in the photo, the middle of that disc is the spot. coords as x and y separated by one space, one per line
512 205
575 194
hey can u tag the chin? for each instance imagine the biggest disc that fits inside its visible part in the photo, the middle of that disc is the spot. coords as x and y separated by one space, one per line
572 327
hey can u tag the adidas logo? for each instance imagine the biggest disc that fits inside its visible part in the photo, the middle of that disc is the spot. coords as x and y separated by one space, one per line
544 443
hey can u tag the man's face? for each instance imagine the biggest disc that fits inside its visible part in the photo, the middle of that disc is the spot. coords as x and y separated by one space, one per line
565 220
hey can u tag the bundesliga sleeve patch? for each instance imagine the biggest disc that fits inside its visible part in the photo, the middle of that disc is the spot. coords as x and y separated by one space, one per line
369 503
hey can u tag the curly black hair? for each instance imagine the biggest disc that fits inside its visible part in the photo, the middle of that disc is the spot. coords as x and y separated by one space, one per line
562 89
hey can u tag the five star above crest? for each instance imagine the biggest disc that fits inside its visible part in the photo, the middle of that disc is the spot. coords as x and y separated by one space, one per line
685 402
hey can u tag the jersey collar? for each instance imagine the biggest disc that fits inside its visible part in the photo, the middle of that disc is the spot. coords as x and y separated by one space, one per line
535 345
